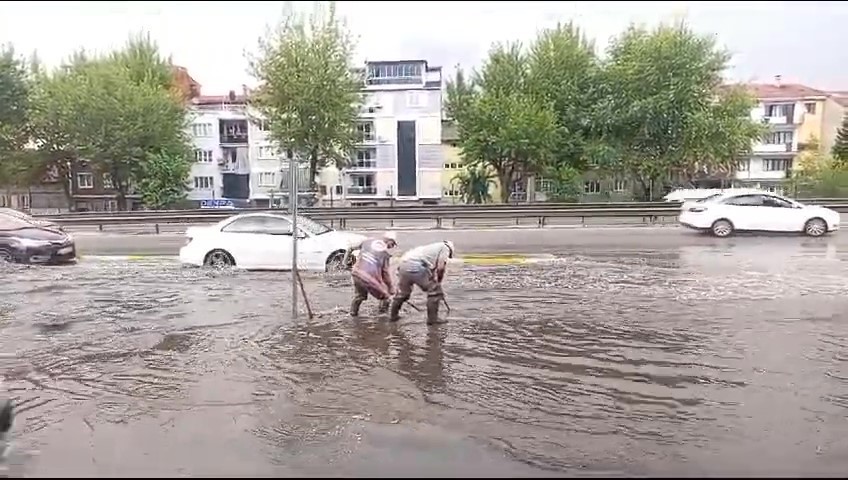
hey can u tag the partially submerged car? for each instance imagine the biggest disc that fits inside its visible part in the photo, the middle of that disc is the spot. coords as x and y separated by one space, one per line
25 242
11 212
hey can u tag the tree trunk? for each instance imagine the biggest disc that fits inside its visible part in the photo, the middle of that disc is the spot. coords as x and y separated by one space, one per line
313 170
505 178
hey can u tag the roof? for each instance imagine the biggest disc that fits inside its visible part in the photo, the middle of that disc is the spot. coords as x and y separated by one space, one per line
787 91
840 97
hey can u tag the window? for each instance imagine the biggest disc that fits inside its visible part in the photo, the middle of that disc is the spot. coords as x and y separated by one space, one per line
779 138
203 156
780 110
453 191
619 185
415 99
810 107
85 180
365 158
453 166
745 201
204 183
262 125
267 152
362 185
111 205
267 179
592 186
259 224
107 181
743 165
397 73
777 164
366 131
201 129
775 202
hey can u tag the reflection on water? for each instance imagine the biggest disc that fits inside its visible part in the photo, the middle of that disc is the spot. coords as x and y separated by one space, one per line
713 360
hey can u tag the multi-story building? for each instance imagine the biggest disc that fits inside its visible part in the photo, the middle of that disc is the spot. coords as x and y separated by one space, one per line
399 157
799 118
220 130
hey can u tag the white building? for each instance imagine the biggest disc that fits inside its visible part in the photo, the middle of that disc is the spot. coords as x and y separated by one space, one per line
400 157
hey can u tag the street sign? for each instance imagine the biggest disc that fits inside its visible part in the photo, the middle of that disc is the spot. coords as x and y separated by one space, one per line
217 203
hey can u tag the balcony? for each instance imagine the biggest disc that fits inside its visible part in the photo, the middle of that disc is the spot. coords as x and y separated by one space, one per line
355 190
366 133
775 120
363 159
233 132
772 148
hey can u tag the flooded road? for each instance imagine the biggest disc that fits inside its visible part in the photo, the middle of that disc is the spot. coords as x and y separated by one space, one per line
696 360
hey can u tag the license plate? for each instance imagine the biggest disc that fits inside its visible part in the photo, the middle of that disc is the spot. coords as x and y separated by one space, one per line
66 250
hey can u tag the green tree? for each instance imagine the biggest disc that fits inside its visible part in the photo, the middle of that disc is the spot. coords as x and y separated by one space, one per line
164 181
113 112
15 163
475 184
840 147
308 93
563 70
501 123
667 109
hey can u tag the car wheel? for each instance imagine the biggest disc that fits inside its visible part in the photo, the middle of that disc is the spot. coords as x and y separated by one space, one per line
5 256
335 262
219 259
722 228
815 227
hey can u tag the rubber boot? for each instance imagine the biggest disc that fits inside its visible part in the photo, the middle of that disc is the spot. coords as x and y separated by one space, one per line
433 310
394 315
384 307
354 306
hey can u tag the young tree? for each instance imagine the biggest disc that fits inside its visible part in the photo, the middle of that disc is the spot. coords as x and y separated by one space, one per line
309 93
669 110
840 147
475 184
164 181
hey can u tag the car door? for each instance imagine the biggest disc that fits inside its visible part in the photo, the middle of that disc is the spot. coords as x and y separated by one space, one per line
278 253
252 242
743 211
781 215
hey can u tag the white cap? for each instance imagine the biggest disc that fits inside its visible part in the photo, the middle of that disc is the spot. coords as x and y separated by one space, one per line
390 236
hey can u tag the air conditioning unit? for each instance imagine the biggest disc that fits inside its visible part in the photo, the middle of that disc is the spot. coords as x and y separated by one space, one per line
221 161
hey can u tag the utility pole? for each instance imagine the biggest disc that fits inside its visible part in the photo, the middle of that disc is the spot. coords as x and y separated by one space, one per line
293 210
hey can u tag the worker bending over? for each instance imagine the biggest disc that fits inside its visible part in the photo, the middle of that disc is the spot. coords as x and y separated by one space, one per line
423 266
371 272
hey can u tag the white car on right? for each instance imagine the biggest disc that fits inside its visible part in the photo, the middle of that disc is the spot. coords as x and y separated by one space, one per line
726 213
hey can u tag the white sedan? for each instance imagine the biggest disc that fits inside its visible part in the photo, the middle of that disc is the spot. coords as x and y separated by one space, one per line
263 241
726 213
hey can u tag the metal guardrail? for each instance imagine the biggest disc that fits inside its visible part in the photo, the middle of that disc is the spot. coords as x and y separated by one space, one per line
339 217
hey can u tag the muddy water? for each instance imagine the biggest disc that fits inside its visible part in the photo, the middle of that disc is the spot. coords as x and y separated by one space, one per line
686 361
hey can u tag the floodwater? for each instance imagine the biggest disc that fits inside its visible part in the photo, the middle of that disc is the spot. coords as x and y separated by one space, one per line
688 361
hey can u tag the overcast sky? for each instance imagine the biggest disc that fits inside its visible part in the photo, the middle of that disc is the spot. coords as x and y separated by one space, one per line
805 42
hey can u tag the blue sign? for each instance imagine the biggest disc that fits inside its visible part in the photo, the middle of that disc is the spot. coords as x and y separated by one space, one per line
217 203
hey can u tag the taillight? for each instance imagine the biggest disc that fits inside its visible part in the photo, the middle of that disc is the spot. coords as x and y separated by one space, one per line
697 209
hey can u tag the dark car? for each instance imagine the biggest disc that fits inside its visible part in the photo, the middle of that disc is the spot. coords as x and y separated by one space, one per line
11 212
23 242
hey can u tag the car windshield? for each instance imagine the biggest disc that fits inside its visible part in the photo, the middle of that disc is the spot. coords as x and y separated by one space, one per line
709 198
312 226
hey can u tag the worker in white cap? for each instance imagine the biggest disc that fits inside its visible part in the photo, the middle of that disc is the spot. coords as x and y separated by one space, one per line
371 273
425 267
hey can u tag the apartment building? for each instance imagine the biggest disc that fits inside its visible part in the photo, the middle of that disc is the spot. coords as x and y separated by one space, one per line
798 118
399 157
220 130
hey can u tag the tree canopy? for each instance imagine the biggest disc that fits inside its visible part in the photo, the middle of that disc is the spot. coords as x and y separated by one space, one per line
309 93
655 106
